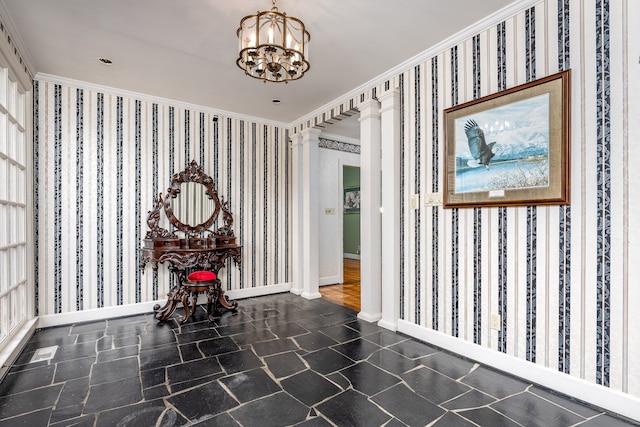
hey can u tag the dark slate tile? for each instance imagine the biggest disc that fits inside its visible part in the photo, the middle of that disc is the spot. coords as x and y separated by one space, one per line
357 349
74 369
321 322
220 420
268 411
351 408
340 333
159 336
159 357
451 419
314 341
121 329
527 408
80 328
190 351
384 338
192 370
288 330
82 421
369 379
447 364
205 334
18 382
60 335
142 414
433 386
104 343
75 351
408 407
253 337
236 328
280 345
260 314
239 361
122 392
217 346
37 418
487 417
250 385
153 377
392 362
316 422
494 383
471 399
115 370
126 341
365 328
339 379
29 401
194 407
73 392
156 392
326 361
118 353
71 415
285 364
413 349
605 420
91 337
185 385
566 402
309 387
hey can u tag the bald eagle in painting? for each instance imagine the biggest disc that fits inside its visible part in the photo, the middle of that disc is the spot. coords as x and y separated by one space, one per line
480 150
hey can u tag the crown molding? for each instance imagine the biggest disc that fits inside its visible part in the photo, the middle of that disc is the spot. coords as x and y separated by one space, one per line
487 22
150 98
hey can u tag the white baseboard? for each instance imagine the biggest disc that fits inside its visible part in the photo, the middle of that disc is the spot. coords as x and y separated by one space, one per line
329 280
392 326
146 307
611 400
351 256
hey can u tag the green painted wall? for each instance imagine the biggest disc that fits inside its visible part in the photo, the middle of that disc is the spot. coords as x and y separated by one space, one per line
351 221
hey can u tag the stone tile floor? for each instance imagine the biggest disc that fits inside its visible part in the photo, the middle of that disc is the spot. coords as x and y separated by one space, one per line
280 360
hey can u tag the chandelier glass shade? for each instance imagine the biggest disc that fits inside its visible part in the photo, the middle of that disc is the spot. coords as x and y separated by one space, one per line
273 47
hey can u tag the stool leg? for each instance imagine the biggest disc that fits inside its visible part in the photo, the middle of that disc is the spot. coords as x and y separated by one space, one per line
185 304
194 298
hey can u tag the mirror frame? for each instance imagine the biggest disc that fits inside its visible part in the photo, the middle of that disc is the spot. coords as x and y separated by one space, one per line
193 173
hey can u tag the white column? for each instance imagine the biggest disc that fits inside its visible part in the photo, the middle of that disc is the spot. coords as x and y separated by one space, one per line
311 216
390 130
370 222
297 214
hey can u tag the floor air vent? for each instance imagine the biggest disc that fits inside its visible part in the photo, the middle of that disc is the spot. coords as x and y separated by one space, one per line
44 353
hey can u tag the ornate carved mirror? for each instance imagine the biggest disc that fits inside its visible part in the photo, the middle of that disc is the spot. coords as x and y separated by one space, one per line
192 204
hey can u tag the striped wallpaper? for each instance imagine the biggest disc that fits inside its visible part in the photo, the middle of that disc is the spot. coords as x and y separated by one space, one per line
557 275
101 158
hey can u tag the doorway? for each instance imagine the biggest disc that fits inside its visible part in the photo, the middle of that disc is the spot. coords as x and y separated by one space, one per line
346 293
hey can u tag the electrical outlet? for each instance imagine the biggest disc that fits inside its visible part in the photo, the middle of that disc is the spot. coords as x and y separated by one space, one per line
496 321
329 211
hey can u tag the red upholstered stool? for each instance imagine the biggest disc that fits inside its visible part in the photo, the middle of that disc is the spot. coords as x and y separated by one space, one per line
199 281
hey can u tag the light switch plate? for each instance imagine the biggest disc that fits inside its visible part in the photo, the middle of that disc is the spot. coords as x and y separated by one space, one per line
415 201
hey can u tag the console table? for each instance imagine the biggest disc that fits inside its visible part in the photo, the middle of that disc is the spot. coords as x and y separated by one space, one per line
191 207
179 262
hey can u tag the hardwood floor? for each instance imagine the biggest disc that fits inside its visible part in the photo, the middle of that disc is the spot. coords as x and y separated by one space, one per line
347 293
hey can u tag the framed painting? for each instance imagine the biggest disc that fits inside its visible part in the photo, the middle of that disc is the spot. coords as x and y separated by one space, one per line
352 200
511 148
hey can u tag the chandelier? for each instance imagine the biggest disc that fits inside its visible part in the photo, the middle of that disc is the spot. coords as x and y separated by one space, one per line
273 47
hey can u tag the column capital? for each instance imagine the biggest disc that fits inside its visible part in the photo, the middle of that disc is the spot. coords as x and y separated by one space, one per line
389 100
369 109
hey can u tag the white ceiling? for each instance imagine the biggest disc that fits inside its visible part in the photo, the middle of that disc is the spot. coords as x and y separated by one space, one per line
185 50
